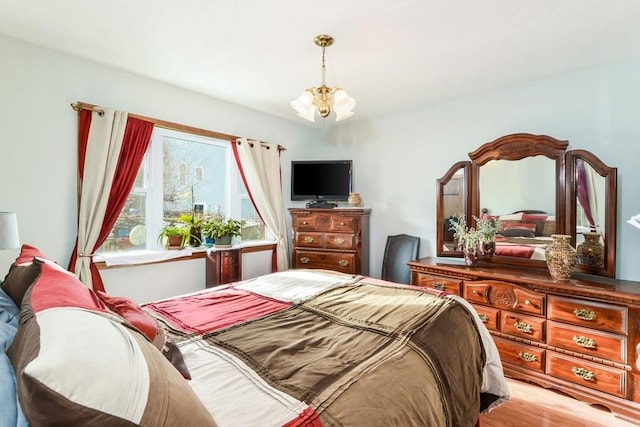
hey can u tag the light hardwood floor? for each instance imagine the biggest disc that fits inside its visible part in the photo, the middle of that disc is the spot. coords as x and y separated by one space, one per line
535 406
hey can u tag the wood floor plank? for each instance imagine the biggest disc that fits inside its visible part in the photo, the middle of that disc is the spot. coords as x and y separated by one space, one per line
531 405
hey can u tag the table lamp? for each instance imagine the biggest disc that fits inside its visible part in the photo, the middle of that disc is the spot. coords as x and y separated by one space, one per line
9 231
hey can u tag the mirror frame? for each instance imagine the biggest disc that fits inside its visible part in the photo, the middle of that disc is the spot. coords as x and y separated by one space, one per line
440 185
610 175
519 146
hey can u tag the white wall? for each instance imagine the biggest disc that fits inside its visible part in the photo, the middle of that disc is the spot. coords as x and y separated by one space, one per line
38 136
397 158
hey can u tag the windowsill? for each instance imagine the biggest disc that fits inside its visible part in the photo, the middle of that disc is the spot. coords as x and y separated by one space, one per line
196 253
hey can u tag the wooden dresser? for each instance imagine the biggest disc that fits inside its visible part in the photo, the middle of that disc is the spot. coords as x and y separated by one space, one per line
332 239
581 336
223 266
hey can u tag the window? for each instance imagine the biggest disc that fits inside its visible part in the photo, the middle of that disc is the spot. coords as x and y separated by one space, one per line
181 174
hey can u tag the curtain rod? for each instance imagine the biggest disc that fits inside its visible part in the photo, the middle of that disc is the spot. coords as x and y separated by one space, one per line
77 106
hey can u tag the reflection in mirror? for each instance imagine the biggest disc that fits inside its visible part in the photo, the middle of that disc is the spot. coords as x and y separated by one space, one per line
593 212
452 190
589 205
525 204
531 185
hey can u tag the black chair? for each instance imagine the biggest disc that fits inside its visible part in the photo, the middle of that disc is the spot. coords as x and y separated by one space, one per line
400 249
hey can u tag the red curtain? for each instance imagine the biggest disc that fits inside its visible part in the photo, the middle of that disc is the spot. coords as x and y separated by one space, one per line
137 136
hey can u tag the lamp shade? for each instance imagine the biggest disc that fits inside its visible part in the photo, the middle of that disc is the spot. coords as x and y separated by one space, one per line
9 231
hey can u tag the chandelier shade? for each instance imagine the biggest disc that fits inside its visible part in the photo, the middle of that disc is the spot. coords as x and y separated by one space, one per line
323 99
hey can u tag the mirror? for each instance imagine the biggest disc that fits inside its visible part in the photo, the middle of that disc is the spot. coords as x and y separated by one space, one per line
545 194
592 205
452 197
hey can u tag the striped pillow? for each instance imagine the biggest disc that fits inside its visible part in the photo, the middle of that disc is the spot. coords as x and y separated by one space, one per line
79 364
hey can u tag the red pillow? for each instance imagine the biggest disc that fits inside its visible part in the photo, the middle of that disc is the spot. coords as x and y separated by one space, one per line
141 320
537 219
133 313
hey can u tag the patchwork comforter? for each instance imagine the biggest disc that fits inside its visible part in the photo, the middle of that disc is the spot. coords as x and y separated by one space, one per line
318 348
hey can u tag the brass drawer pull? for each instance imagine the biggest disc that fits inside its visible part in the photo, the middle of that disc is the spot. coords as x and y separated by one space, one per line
343 263
527 302
523 327
483 317
338 240
439 286
527 357
304 260
583 373
308 239
475 292
304 222
584 314
342 223
584 341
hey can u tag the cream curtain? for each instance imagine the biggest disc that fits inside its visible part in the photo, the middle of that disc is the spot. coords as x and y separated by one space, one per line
260 167
103 149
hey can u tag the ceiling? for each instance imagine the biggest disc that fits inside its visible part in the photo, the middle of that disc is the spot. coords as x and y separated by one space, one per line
390 55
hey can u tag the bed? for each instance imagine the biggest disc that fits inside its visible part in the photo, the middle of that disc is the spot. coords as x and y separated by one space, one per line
525 234
295 348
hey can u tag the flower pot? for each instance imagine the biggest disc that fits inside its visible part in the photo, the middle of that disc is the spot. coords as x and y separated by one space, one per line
175 242
208 242
223 242
487 248
470 257
561 257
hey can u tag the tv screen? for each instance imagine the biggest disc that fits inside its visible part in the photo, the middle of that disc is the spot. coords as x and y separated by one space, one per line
321 180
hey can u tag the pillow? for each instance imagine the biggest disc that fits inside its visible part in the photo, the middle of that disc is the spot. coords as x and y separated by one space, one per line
537 219
82 365
511 217
143 322
549 227
518 229
22 273
10 411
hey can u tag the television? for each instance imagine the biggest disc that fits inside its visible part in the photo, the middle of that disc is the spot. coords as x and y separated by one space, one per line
321 179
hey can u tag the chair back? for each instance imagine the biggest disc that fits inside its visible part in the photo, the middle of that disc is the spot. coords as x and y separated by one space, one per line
399 250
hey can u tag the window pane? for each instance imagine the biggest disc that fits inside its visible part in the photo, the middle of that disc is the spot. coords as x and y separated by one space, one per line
129 231
183 161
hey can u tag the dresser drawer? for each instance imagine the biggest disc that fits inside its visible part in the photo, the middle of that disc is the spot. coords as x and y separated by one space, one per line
591 314
520 325
504 295
585 373
342 224
519 354
340 241
308 240
490 316
587 341
305 223
449 285
337 261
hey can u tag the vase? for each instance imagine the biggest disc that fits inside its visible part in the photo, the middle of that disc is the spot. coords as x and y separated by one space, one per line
591 251
561 257
354 199
470 256
487 248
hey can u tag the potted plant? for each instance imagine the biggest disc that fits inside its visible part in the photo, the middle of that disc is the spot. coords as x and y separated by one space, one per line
467 238
195 226
221 230
487 228
174 236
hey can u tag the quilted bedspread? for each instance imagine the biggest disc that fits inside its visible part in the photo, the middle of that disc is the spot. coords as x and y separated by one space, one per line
318 348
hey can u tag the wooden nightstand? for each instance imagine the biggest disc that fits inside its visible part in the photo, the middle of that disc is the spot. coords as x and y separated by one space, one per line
223 266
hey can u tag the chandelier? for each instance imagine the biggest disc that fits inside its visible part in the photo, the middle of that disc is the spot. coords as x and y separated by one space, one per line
324 99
